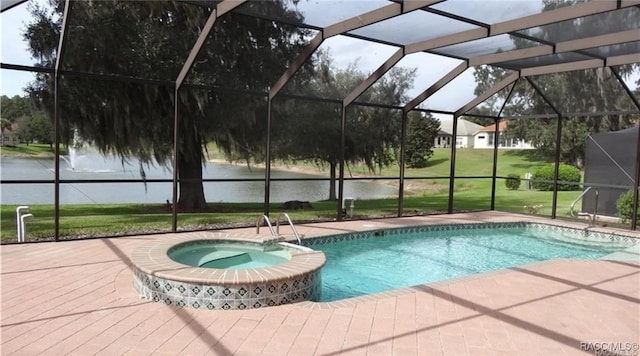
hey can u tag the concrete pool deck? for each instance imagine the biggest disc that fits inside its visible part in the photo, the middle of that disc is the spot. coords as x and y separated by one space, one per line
77 297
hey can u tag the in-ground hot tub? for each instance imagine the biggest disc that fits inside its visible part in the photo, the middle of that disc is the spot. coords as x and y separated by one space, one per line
229 254
219 271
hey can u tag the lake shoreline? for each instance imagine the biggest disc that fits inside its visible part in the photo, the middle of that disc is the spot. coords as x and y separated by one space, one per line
310 170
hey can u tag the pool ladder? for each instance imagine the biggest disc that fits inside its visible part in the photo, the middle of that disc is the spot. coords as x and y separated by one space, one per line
276 233
573 205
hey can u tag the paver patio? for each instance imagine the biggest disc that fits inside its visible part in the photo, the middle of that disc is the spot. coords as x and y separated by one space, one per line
77 297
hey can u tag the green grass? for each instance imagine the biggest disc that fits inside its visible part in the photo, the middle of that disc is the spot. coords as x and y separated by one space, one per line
423 196
32 150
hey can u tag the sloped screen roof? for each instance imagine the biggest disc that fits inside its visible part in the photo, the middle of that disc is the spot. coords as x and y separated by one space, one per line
528 37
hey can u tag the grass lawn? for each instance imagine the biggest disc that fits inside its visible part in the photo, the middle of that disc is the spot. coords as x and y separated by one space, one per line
32 150
422 196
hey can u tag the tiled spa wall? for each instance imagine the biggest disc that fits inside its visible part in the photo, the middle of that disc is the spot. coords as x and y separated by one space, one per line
182 294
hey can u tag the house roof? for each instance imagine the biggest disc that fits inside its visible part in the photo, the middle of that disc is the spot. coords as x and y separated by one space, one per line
502 125
465 128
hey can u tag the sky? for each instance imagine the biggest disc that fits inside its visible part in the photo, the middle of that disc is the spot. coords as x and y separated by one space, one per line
14 50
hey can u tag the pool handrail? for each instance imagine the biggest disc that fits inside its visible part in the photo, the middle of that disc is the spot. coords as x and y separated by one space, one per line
295 232
262 219
573 204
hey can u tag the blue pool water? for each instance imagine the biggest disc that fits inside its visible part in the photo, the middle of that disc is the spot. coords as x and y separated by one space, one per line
380 263
228 255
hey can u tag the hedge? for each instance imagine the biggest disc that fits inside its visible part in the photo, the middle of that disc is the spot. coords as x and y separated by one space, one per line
566 174
625 206
512 182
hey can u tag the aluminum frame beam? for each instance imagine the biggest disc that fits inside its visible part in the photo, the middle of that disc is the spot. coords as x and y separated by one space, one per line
350 24
444 80
10 4
488 93
566 46
222 8
551 69
56 118
560 47
544 97
541 19
584 64
374 77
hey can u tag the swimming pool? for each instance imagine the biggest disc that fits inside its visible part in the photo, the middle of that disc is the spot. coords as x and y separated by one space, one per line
375 261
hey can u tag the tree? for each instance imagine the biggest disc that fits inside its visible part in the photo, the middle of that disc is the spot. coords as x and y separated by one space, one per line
14 107
311 130
580 91
421 133
35 128
152 40
5 125
28 123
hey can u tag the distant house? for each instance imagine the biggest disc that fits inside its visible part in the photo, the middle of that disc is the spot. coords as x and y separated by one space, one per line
464 137
9 137
485 138
443 140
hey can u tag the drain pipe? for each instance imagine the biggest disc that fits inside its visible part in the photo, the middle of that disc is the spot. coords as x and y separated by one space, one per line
23 228
20 222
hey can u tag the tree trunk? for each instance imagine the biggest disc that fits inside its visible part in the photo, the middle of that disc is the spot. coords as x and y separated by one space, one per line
191 190
332 181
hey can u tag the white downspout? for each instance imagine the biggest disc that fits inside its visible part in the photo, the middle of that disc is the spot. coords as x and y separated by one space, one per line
19 221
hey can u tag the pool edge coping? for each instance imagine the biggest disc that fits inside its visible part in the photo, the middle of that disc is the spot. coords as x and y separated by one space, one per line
152 259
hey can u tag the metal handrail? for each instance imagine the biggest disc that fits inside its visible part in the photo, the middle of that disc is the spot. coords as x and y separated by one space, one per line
295 232
262 219
576 200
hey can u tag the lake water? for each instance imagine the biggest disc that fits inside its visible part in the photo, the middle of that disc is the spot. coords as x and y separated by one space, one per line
93 166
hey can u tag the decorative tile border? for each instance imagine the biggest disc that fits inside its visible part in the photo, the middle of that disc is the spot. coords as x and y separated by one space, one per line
583 234
159 278
579 234
249 296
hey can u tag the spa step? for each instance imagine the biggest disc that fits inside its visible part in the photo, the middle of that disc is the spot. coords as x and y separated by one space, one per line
227 261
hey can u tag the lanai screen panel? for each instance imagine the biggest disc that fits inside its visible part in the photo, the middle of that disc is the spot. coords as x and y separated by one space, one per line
252 65
452 96
588 26
593 92
115 40
493 106
314 14
427 68
527 102
413 27
610 160
615 50
343 64
493 11
483 46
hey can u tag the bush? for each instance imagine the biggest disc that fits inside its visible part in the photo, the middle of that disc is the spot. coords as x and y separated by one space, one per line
512 182
567 174
625 206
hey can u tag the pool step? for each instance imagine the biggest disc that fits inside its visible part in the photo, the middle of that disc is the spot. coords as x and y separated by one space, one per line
219 256
228 261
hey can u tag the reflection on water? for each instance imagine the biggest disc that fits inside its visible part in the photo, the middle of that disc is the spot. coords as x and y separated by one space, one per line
90 167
